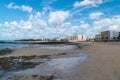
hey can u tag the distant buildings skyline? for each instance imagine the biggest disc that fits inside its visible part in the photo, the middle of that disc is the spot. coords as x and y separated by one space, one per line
108 35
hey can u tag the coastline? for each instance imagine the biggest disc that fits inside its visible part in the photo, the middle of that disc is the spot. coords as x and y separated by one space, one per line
102 62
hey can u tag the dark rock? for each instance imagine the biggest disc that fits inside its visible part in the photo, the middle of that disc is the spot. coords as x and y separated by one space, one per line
51 77
16 63
6 51
24 65
44 56
34 76
62 54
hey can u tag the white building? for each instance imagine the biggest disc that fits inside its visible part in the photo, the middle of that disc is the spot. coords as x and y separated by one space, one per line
77 38
109 35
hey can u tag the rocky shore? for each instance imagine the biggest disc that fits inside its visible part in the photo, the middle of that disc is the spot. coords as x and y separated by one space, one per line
11 64
6 51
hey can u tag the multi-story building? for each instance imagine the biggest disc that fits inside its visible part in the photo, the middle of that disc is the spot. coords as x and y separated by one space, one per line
98 37
109 35
77 38
105 34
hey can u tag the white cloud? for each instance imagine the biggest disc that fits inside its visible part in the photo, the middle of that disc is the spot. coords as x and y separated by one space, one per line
22 7
14 23
26 8
11 5
103 25
114 27
25 24
47 8
0 24
84 25
37 15
34 21
20 24
95 15
34 27
78 11
47 2
58 17
106 23
66 24
92 3
6 24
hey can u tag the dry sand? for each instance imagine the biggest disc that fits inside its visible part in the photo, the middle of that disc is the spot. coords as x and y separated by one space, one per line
103 61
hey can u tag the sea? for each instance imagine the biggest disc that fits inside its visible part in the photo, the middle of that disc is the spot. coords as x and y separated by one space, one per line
7 44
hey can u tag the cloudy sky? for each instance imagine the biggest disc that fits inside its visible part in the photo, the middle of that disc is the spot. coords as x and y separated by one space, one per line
23 19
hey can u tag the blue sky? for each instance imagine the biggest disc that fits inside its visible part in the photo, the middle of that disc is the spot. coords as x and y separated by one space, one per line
23 19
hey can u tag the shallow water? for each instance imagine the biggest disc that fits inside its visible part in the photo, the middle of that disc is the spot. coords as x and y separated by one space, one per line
57 47
62 68
65 63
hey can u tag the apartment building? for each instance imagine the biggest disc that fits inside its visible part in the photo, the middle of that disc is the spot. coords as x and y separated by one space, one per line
77 38
98 37
109 35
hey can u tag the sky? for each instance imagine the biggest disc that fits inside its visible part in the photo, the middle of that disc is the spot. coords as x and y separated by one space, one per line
26 19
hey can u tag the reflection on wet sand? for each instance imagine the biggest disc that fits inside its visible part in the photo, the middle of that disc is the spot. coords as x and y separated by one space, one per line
48 65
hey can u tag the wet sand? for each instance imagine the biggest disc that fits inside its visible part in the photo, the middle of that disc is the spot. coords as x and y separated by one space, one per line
102 63
42 50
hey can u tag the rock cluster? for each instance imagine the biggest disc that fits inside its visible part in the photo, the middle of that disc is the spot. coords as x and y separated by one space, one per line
5 51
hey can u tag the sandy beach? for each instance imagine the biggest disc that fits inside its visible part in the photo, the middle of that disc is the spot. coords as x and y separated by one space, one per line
102 63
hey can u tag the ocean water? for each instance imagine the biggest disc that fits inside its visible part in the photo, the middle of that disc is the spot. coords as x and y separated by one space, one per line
4 44
12 46
38 46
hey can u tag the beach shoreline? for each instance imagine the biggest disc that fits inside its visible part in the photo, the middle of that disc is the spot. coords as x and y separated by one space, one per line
102 62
